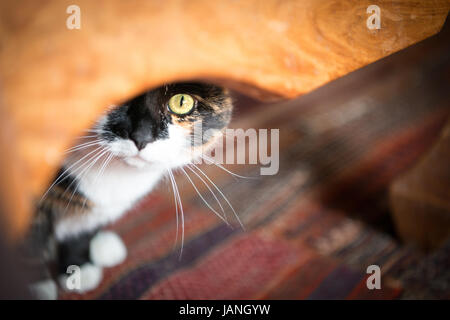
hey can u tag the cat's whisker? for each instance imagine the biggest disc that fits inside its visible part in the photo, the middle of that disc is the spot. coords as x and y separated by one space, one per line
101 172
95 132
83 172
210 190
92 130
223 168
86 164
176 207
84 143
89 160
201 197
78 176
83 146
66 173
221 193
103 166
182 213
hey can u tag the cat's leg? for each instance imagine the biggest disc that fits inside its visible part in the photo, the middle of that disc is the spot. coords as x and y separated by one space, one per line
38 251
74 250
90 252
76 271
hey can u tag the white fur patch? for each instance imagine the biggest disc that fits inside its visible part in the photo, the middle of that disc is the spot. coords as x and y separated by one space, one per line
90 277
44 290
172 152
116 191
107 249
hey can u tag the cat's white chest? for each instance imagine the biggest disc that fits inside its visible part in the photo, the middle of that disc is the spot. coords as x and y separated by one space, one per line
120 187
112 193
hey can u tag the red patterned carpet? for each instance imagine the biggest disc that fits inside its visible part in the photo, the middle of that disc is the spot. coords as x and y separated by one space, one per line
312 229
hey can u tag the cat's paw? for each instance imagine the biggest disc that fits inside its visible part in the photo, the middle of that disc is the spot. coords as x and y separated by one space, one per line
90 277
107 249
44 290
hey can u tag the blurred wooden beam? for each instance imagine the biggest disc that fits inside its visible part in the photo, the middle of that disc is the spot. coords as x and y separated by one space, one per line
55 81
420 199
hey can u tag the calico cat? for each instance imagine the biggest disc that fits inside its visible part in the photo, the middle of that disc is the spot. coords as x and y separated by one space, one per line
119 161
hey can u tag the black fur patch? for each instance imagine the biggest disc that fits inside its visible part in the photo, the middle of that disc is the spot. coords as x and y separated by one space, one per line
74 251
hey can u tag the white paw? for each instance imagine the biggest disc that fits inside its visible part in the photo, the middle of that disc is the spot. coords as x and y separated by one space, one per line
107 249
44 290
87 279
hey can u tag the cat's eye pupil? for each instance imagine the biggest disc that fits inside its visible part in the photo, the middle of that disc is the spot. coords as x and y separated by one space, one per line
181 104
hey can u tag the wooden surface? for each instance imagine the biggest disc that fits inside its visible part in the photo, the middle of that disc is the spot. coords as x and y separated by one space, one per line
54 81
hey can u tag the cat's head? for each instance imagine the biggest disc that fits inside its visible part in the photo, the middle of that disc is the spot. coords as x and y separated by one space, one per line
158 126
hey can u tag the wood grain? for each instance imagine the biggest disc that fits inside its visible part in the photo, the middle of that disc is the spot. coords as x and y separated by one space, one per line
54 81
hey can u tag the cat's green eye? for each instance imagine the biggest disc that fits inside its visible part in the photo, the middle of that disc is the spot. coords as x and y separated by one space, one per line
181 104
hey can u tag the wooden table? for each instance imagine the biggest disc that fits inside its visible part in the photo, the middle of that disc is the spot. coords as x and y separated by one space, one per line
54 81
